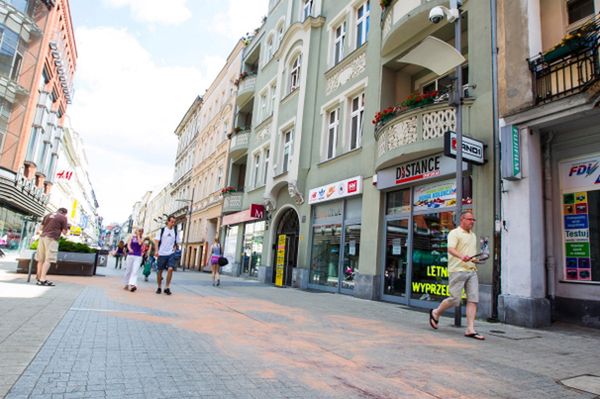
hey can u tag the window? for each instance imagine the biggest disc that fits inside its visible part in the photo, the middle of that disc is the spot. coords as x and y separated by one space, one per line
295 73
362 23
16 68
357 109
340 38
263 105
270 47
279 34
307 9
287 150
444 84
332 131
266 165
219 178
579 9
273 97
256 171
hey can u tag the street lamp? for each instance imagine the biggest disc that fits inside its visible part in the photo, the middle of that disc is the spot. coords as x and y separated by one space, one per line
188 220
452 15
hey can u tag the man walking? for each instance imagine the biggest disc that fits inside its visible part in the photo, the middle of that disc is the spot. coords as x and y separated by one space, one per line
53 225
167 242
462 273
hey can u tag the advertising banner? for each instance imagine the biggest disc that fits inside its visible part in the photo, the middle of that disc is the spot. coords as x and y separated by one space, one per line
435 195
279 267
339 189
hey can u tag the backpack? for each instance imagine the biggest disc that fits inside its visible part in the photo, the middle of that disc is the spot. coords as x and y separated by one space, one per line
162 231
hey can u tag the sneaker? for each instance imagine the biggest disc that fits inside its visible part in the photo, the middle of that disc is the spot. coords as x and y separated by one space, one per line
167 291
133 288
158 290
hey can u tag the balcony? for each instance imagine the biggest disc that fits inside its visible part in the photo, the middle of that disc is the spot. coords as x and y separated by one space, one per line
416 131
403 19
246 89
20 20
238 144
232 202
570 67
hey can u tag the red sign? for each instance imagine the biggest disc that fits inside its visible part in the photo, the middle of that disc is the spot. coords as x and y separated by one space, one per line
64 174
257 211
352 186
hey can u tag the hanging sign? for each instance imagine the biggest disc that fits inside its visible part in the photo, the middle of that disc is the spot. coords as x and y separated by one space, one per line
510 141
279 267
473 151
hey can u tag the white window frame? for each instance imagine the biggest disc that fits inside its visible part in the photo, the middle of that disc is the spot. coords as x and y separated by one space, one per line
331 133
256 158
307 9
295 72
280 31
266 156
287 149
362 23
273 99
357 115
219 178
263 104
270 48
339 42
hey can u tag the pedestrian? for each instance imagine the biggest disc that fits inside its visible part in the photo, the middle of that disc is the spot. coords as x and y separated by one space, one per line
53 225
462 273
119 254
134 260
216 252
148 257
167 243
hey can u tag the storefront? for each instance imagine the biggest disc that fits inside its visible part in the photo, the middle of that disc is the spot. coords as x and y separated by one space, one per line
244 240
252 248
420 202
335 230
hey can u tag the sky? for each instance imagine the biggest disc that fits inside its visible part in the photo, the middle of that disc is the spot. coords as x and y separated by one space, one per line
140 65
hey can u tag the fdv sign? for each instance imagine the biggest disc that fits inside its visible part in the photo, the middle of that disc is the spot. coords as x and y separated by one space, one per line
473 151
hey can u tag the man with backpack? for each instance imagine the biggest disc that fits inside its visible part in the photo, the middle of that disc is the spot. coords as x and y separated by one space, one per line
167 243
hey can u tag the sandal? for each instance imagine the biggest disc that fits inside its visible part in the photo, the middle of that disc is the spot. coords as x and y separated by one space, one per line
45 283
432 321
475 335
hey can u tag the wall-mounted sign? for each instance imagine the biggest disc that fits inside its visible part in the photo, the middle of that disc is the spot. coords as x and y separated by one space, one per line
422 169
257 211
64 174
340 189
581 174
473 150
510 141
75 230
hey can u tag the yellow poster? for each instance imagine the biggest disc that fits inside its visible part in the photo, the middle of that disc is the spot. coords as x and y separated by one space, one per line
74 210
279 267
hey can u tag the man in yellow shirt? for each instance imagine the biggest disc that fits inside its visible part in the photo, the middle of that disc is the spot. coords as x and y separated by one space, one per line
462 273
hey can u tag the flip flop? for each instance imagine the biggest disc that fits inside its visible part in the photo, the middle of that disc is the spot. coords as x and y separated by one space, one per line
476 336
432 321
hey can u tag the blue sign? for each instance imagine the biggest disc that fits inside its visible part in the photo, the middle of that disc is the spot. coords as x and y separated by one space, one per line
576 222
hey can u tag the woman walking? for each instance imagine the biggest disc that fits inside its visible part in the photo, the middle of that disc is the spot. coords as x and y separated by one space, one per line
134 260
216 252
119 254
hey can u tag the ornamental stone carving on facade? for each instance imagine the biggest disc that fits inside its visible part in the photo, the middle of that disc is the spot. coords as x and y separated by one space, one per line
401 133
356 67
436 123
295 194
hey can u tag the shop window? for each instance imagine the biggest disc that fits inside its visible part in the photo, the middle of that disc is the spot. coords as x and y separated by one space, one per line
579 9
396 257
351 255
254 234
398 202
325 255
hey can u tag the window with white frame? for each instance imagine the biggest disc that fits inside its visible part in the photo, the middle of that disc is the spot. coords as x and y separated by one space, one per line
295 72
280 28
219 181
270 48
256 170
340 39
273 90
266 155
357 109
307 9
287 140
262 103
362 23
333 122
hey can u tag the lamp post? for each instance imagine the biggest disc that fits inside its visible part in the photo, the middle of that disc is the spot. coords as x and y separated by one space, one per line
188 220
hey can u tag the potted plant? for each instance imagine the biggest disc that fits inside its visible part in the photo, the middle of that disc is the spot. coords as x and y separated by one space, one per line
228 190
73 258
415 100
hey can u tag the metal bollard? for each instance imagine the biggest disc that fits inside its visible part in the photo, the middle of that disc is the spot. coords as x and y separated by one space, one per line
30 267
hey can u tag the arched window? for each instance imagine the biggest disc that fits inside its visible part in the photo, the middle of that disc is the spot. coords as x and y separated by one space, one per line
295 73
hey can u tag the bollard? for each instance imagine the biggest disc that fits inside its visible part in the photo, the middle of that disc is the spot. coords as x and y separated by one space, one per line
457 316
30 267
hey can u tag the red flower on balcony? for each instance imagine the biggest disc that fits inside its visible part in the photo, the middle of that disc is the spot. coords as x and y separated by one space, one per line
415 100
228 189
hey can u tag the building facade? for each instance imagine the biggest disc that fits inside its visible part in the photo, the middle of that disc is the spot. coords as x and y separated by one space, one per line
36 78
549 91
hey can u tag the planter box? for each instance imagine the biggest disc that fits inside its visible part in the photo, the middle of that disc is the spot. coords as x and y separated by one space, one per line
68 263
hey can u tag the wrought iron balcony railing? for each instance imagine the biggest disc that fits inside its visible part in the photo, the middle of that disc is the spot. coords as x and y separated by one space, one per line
570 67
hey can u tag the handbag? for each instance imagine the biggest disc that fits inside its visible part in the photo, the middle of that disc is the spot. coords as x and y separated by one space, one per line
222 261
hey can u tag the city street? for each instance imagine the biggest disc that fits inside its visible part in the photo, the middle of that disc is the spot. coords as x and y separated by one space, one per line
87 337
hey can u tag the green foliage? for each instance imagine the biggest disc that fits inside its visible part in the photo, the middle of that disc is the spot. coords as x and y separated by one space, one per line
65 245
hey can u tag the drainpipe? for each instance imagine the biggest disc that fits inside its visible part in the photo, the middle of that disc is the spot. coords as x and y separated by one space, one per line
548 217
496 267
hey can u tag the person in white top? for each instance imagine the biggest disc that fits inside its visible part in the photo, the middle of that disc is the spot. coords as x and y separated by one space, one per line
167 242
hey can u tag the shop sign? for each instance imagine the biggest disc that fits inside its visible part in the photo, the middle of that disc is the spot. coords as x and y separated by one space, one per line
435 195
279 267
422 169
340 189
64 174
473 151
257 211
576 236
75 230
510 141
580 174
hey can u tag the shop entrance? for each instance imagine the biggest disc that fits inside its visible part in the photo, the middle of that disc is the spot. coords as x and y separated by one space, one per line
288 227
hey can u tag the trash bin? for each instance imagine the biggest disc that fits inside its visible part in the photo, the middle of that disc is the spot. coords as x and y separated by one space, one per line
102 259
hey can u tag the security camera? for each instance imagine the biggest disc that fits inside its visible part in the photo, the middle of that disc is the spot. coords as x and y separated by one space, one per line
436 15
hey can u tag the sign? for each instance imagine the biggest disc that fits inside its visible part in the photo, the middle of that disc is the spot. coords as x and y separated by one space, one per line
422 169
280 265
435 195
257 211
75 230
64 174
472 150
239 217
581 174
576 235
340 189
74 210
510 141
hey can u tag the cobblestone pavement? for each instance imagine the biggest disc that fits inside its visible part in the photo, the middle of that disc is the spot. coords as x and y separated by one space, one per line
248 340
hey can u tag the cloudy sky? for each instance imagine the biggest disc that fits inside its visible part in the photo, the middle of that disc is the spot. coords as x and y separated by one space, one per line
140 65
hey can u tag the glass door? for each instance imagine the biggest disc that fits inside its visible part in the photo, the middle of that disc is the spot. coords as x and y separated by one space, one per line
396 259
351 253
